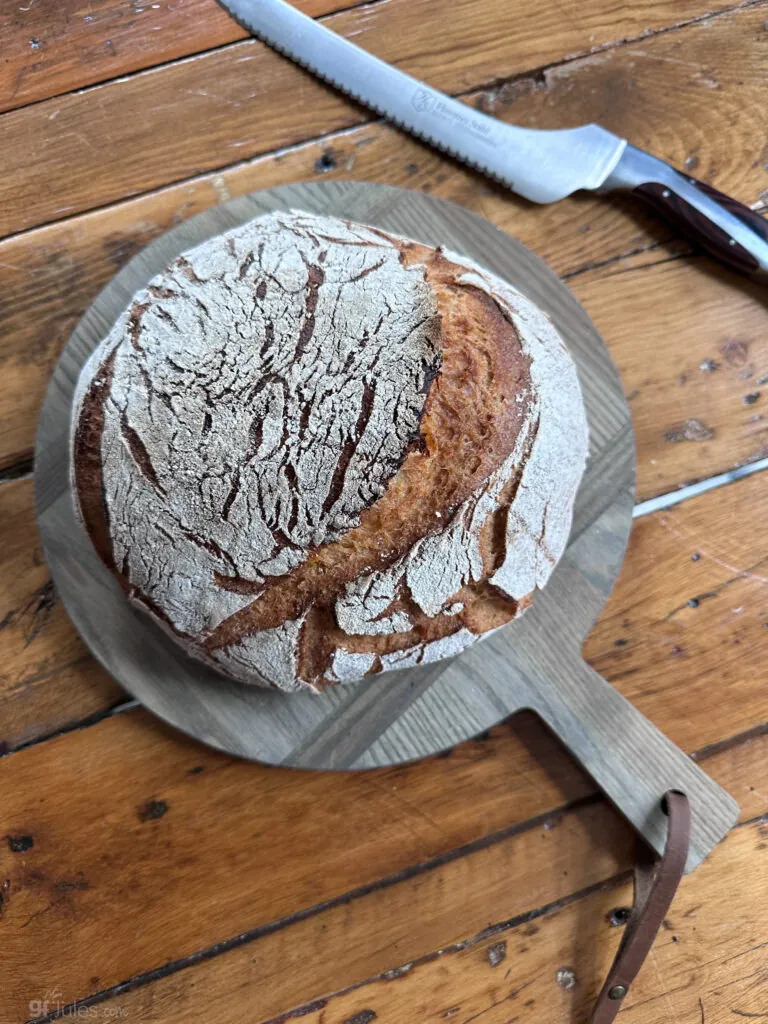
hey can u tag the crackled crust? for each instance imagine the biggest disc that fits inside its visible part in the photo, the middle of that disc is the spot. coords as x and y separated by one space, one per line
314 451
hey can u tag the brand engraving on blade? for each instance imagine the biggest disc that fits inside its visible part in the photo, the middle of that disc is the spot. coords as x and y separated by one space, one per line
423 101
426 102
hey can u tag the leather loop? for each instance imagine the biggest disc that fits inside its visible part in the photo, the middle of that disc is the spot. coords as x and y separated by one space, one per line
656 883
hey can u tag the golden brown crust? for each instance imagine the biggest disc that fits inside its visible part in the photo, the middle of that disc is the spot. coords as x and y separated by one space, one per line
86 458
463 462
470 424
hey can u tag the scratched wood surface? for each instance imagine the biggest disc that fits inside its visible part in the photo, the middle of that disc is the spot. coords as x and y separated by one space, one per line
54 46
89 148
161 881
49 276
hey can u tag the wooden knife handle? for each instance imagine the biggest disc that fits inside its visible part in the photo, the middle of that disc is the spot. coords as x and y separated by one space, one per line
702 229
724 227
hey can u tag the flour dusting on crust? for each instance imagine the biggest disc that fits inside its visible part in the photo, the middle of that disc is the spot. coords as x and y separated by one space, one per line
263 394
244 425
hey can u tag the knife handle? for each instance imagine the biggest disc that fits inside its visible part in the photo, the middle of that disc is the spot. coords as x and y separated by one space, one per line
727 229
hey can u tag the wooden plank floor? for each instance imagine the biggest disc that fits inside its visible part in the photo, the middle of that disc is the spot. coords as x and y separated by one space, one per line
146 878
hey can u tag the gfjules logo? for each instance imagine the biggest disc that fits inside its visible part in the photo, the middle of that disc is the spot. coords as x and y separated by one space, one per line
52 1004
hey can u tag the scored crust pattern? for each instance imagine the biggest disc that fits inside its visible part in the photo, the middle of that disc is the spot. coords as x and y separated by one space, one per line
313 451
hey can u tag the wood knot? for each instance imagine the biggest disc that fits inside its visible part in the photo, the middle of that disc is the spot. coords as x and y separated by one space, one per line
152 810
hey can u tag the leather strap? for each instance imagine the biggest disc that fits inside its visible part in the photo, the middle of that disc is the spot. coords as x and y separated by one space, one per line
656 883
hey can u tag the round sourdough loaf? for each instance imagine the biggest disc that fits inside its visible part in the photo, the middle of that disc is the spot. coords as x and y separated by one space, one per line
315 451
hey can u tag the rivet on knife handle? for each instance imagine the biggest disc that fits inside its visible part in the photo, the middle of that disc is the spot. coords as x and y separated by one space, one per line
728 230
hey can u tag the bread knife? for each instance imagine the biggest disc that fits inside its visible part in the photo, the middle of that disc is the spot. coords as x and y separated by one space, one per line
542 166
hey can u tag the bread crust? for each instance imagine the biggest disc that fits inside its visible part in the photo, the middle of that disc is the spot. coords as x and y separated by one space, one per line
314 451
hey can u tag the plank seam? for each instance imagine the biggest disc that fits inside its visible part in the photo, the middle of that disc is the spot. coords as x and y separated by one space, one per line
82 723
626 254
194 179
179 61
457 947
732 741
251 935
539 73
18 470
759 819
485 842
483 85
536 74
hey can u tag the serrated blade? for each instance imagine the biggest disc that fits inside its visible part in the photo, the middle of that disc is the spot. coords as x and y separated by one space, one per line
542 166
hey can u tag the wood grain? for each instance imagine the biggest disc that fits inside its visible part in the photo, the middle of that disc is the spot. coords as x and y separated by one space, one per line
551 970
56 46
164 826
687 621
674 661
742 255
47 678
691 346
690 422
49 277
221 824
409 921
236 98
51 48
